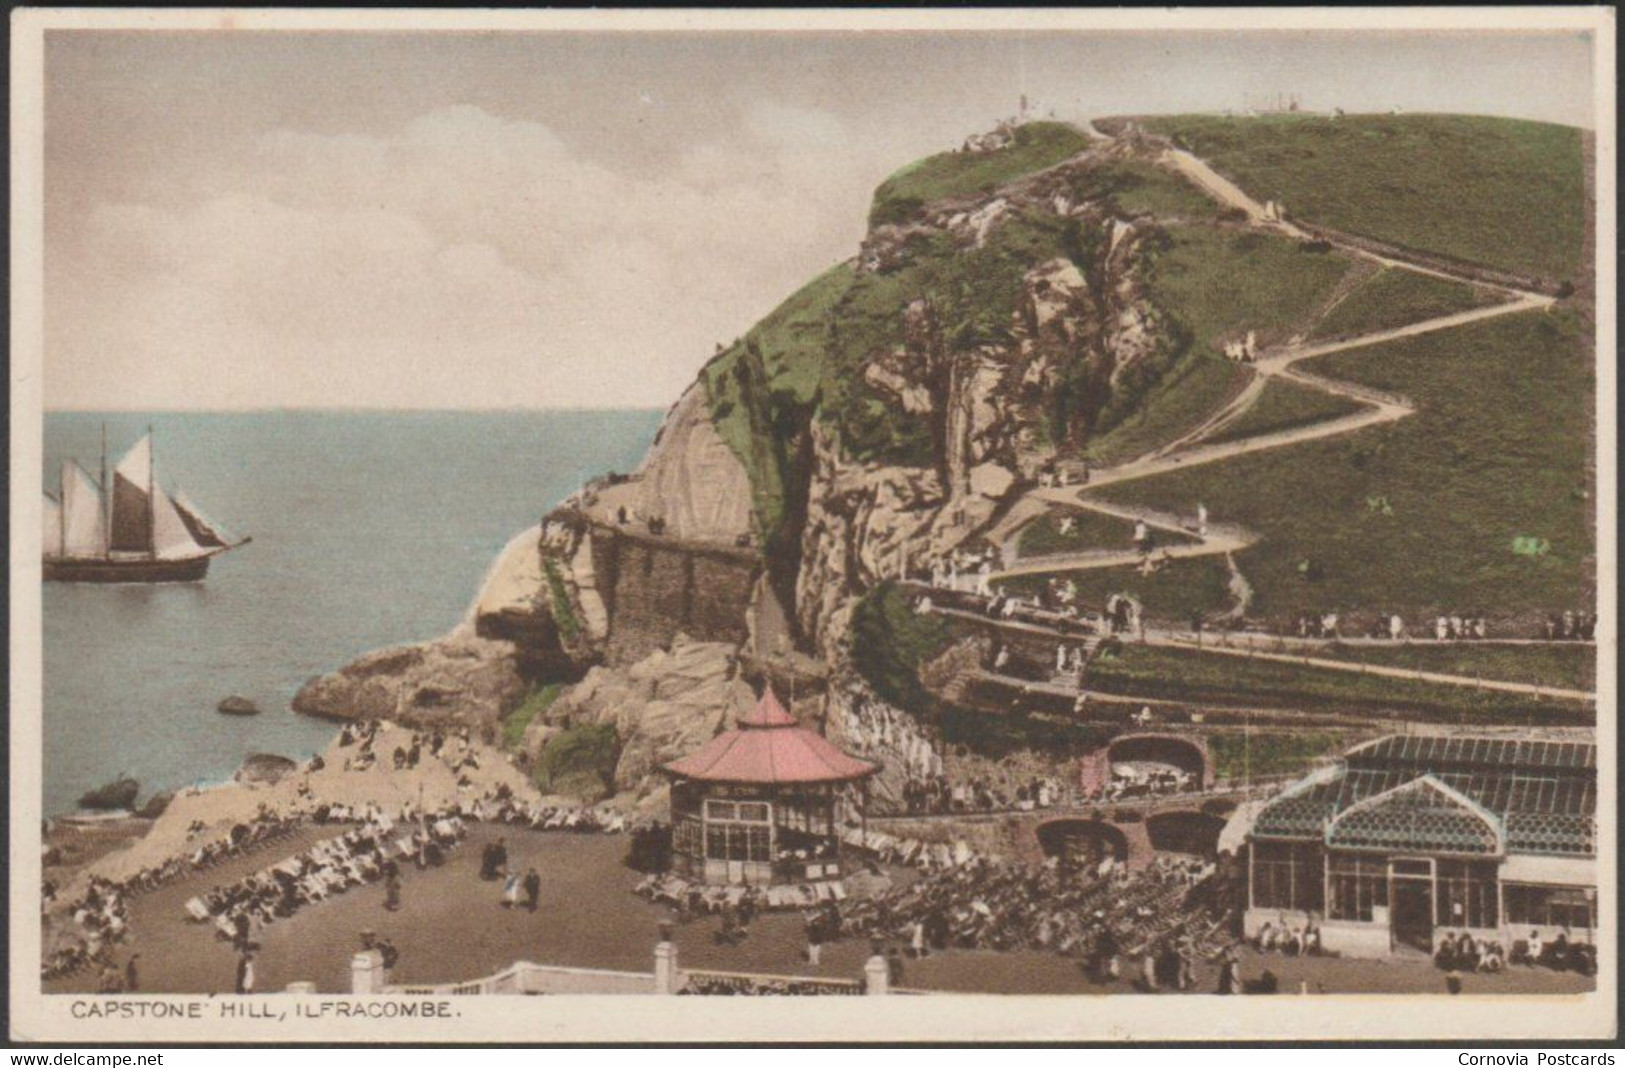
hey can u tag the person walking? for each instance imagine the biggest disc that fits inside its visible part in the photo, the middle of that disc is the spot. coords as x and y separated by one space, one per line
533 889
132 978
392 891
245 972
815 938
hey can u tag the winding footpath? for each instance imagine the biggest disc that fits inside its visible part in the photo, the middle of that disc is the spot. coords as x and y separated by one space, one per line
1194 448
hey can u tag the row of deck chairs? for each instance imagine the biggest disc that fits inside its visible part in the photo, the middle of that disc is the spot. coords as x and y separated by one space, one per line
926 856
330 867
686 896
581 819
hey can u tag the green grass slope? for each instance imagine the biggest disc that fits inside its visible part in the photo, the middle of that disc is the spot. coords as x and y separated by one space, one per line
1218 282
1502 192
1194 675
1421 515
1284 405
1568 667
1395 297
1036 145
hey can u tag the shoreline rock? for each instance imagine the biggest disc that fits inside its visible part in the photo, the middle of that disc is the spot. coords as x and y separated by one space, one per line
237 706
265 768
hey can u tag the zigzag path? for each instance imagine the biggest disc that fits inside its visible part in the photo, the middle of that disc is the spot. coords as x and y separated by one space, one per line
1190 451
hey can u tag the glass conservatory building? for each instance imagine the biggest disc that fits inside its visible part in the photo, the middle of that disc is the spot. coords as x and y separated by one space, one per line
1412 837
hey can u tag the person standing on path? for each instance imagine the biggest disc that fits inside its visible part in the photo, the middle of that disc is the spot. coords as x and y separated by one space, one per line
245 972
132 978
533 889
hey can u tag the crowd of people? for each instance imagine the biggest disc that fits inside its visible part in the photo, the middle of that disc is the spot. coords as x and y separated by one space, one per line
1560 954
935 795
1131 780
1284 937
1571 626
1102 913
454 748
362 855
690 900
91 926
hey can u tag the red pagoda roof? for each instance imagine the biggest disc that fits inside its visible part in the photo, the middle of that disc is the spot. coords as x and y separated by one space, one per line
768 747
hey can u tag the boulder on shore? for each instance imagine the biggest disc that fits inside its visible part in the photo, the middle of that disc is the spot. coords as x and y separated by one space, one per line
454 680
118 794
155 805
265 767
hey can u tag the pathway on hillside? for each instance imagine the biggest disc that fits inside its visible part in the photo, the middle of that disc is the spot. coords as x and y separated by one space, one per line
1189 450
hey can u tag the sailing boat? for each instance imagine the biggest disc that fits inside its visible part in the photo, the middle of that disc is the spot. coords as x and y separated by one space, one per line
129 530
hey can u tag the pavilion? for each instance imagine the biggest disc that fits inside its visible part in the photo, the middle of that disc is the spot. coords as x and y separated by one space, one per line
1411 837
761 803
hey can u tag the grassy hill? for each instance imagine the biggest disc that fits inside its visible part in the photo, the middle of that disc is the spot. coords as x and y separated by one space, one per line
1568 667
1394 297
1035 146
1194 675
1181 588
1284 405
763 386
1502 192
1421 515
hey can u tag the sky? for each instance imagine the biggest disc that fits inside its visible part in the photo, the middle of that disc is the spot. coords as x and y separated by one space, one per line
544 220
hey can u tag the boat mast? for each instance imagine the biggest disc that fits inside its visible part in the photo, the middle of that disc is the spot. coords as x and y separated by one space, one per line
106 506
152 496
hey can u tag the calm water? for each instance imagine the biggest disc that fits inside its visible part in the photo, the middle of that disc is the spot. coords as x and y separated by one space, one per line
369 530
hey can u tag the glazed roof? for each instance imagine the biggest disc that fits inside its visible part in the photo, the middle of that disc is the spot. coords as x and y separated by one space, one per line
768 747
1541 797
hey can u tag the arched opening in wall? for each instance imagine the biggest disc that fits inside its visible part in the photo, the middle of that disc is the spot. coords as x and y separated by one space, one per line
1186 831
1083 841
1163 762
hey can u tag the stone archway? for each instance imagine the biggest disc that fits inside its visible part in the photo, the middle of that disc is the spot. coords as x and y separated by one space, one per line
1185 753
1085 840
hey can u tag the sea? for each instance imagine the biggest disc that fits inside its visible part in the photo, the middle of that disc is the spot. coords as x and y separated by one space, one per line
369 529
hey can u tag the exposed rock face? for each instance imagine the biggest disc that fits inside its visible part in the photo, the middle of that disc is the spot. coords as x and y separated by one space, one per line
692 479
454 679
663 707
866 726
266 768
990 408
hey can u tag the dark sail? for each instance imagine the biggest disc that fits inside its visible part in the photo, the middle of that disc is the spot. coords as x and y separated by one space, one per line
132 517
203 532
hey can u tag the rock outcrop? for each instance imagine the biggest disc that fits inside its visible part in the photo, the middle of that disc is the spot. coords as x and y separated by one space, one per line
265 768
461 679
662 707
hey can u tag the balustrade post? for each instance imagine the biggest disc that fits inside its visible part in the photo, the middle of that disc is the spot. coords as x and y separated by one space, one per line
367 972
876 977
667 977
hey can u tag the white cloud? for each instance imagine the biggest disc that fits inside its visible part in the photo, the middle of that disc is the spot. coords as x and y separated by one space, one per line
459 260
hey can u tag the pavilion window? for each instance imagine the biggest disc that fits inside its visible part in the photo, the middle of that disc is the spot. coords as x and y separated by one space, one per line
1287 875
1465 894
687 837
1359 886
1549 906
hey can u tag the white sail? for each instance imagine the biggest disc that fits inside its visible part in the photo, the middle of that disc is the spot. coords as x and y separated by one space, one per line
51 534
171 538
132 521
83 533
205 531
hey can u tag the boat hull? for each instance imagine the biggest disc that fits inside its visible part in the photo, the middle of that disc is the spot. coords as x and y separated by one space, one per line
61 569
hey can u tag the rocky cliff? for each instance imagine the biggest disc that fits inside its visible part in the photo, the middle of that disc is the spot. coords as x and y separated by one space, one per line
886 414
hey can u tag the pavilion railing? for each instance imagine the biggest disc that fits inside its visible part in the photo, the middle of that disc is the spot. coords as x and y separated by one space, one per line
746 983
